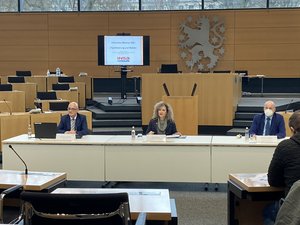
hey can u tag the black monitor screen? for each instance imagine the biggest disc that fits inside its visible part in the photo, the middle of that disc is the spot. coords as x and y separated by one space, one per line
16 79
60 87
23 73
123 50
5 87
169 68
66 79
46 95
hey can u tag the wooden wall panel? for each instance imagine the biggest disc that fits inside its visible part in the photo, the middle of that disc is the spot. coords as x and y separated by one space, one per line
26 22
23 53
277 35
268 52
23 37
79 22
267 18
289 68
260 41
73 37
10 67
137 21
73 53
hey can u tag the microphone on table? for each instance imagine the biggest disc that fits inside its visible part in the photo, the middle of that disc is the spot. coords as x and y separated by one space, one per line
286 109
10 111
26 170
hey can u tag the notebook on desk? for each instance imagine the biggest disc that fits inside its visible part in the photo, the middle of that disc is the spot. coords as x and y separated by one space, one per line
45 130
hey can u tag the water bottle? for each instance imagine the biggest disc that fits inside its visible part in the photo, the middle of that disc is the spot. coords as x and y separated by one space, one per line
48 73
133 133
29 132
57 71
246 134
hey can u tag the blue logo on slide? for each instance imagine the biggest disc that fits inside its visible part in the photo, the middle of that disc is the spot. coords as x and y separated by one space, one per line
123 59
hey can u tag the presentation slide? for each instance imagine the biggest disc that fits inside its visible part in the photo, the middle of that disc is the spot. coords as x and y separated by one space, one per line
123 50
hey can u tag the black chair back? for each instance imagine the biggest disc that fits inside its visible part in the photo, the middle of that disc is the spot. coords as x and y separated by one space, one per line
5 87
221 71
58 106
66 79
16 80
23 73
60 87
51 95
75 209
168 68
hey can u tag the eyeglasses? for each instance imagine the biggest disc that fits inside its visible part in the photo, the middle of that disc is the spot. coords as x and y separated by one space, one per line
72 109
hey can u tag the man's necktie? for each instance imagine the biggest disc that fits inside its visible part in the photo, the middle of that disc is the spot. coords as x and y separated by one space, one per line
268 126
72 124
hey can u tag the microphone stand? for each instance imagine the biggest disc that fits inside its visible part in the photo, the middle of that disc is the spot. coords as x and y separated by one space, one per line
26 169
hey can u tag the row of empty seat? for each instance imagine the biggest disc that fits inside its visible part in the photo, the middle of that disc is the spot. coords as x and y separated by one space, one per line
16 79
55 87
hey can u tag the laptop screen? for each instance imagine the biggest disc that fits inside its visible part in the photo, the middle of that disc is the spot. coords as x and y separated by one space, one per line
45 130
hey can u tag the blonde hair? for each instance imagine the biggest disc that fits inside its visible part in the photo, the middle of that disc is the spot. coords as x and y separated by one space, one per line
159 105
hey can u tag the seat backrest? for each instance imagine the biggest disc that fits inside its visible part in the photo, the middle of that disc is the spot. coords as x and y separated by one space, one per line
57 87
168 68
289 212
5 87
51 95
16 80
66 79
221 71
75 209
23 73
58 106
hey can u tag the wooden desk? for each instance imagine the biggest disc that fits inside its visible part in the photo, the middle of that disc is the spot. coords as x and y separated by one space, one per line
155 202
89 89
12 125
247 196
30 92
81 89
45 103
225 99
234 155
44 117
18 99
33 181
72 96
5 106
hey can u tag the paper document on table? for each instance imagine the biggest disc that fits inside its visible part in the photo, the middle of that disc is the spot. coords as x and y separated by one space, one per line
173 136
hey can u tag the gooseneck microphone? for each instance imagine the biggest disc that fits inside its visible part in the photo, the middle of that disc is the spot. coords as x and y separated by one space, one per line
10 111
26 170
286 109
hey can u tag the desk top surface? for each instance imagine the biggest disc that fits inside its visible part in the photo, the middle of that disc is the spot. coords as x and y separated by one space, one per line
127 140
33 181
253 182
234 140
155 202
113 140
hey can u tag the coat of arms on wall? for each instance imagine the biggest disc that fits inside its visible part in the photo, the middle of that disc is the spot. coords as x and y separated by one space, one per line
201 42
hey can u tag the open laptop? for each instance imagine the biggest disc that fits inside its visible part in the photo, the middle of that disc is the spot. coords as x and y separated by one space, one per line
45 130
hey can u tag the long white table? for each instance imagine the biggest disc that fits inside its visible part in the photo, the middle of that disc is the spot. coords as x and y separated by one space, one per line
119 158
232 155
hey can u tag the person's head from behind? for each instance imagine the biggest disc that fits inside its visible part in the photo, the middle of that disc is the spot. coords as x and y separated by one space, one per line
162 111
294 122
73 109
269 108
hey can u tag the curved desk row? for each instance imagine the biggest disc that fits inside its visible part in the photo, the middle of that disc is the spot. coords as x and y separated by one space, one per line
119 158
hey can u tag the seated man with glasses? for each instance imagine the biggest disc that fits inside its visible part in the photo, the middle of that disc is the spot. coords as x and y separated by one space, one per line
73 122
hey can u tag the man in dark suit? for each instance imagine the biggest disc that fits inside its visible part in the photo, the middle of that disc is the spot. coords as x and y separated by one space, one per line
73 122
269 122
